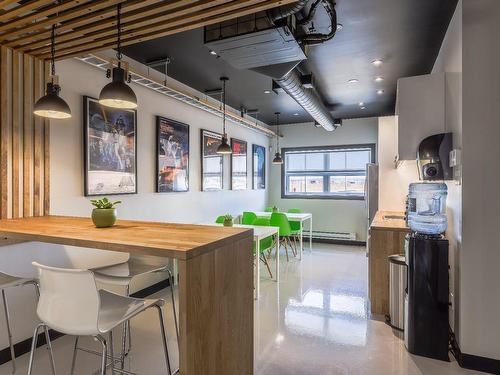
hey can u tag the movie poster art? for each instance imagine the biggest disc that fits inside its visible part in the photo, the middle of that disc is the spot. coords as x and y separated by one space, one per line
172 171
211 161
110 148
238 164
259 167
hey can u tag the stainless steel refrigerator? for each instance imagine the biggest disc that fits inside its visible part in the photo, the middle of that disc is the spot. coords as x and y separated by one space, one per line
371 198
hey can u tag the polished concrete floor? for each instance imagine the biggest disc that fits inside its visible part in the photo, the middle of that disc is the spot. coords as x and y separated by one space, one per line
316 322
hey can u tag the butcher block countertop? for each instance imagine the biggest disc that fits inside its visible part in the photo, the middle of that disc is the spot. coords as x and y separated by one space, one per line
181 241
389 220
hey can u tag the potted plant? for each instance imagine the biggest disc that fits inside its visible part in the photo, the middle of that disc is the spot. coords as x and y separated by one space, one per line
104 213
275 209
228 221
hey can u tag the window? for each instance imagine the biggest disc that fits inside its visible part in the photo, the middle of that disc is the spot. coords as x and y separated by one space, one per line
336 172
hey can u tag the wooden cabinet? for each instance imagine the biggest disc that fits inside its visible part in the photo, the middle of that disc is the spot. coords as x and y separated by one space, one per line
387 238
420 108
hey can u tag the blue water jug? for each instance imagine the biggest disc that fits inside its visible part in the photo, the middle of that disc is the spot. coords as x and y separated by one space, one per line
427 208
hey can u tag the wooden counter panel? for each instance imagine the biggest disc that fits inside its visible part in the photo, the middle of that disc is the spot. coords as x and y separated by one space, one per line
380 223
182 241
383 243
216 291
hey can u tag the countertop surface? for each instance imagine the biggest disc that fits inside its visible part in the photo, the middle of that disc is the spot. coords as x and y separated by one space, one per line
389 220
182 241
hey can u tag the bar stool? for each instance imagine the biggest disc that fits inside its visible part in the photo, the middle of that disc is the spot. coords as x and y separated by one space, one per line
122 275
71 303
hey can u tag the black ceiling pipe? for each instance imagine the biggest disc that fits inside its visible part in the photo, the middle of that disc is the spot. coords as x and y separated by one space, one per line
317 38
284 11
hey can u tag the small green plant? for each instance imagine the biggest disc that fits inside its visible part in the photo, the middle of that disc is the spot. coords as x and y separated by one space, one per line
228 220
275 209
228 217
104 203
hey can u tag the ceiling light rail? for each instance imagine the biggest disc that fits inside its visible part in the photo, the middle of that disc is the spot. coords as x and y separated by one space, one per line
249 123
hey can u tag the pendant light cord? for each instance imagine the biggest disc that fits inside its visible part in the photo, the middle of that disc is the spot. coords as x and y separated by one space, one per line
53 51
224 107
278 132
119 33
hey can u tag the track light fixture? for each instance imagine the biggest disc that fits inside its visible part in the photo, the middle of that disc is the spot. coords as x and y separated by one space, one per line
117 94
224 147
51 105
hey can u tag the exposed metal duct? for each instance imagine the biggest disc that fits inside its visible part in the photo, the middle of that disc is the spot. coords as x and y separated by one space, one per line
308 99
284 11
318 38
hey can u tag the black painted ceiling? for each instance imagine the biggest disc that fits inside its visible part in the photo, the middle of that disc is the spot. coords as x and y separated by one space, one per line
405 34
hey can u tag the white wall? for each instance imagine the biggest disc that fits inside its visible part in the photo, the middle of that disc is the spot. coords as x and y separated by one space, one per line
328 214
66 155
393 182
480 253
449 60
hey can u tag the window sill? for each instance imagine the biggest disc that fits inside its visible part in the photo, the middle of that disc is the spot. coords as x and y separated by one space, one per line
332 197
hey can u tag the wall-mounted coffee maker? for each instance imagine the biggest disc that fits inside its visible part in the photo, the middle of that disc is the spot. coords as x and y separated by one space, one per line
426 253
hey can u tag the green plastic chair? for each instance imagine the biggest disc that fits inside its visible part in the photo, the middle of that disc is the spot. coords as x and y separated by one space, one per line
219 220
266 244
280 220
248 218
268 209
296 226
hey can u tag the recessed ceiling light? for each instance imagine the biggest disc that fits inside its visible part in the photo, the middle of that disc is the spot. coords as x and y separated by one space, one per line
295 114
379 79
339 26
362 108
213 53
353 80
267 91
361 104
377 62
380 92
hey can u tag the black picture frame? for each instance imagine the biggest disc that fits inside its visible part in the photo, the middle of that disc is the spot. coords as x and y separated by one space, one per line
259 157
167 129
108 149
234 143
207 150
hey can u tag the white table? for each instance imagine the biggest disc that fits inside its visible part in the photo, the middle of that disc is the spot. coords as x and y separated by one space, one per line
300 217
259 233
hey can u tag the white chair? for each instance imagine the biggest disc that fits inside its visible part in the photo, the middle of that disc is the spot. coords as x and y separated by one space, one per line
6 282
71 304
122 275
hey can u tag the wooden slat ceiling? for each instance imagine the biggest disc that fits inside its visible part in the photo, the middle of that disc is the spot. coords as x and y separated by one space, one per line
85 26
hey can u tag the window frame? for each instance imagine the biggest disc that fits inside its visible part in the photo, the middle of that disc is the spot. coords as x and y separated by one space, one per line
335 196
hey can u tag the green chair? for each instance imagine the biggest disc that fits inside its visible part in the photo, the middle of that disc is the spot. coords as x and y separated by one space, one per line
296 227
266 244
219 220
248 218
268 209
280 220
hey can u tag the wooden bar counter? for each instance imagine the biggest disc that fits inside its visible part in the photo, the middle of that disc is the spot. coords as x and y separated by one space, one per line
215 279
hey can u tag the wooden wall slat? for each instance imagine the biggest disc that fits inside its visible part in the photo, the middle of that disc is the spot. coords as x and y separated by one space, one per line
27 136
4 133
16 132
37 142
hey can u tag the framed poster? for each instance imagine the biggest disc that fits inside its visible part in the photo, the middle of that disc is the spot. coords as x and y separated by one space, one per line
211 162
172 156
110 148
238 164
259 167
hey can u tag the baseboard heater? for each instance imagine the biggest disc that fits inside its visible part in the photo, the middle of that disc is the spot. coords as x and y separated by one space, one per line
342 236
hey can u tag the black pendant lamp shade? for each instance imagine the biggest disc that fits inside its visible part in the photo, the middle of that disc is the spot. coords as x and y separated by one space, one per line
224 148
118 94
277 157
51 105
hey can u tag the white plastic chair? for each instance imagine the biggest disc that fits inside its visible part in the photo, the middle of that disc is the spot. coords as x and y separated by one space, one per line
122 275
71 304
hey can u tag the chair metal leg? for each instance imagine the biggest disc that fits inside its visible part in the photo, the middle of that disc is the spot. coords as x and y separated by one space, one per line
9 332
111 352
164 339
104 353
49 348
75 351
33 348
171 277
264 259
286 249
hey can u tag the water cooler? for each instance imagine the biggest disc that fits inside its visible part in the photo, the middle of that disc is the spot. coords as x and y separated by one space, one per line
426 257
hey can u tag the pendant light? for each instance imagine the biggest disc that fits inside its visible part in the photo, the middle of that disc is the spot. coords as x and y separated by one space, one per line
118 94
277 157
51 105
224 147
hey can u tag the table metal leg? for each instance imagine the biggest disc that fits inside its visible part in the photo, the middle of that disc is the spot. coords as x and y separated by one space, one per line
277 258
257 261
310 234
301 240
